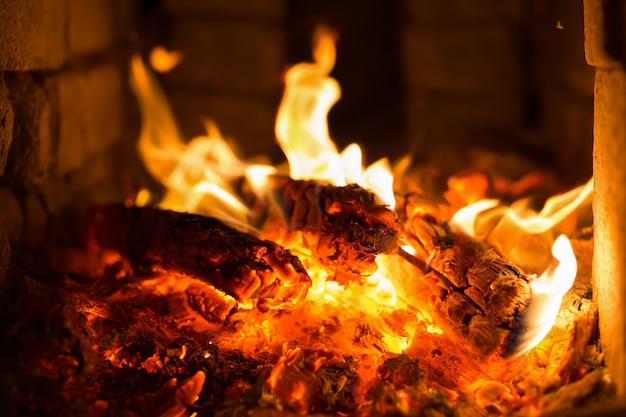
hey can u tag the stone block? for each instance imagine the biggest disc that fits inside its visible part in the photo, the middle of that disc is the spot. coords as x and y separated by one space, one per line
125 15
568 132
32 34
248 122
609 208
6 124
463 59
90 26
35 109
454 11
272 9
36 219
233 56
90 113
5 259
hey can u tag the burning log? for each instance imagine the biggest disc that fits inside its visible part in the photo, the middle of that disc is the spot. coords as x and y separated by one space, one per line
478 295
345 227
203 248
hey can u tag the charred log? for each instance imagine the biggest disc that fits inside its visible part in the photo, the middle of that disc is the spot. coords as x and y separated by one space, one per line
204 248
476 293
345 227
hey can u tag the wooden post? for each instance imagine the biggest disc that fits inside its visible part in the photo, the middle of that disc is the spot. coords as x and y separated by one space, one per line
605 49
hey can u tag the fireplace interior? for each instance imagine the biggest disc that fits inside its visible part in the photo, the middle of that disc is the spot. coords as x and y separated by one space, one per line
508 99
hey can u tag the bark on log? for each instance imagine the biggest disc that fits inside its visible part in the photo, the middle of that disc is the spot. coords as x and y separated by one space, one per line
345 227
477 294
204 248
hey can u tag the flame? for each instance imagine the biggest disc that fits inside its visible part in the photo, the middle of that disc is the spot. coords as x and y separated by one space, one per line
302 127
301 121
474 220
521 234
199 174
548 291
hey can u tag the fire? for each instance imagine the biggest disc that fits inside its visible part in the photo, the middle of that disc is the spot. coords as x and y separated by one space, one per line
391 311
548 291
199 174
302 128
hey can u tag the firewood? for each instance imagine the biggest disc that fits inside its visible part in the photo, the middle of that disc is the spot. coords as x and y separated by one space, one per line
477 295
345 227
204 248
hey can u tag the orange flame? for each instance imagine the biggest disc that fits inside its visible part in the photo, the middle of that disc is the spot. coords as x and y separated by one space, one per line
302 128
198 174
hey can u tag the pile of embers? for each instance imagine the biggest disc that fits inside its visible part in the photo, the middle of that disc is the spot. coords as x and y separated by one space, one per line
172 314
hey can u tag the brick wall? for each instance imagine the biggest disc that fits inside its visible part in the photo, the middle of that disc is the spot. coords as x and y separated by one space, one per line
61 109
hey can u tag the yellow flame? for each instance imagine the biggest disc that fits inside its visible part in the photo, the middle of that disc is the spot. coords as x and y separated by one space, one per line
198 174
464 220
474 220
302 127
301 122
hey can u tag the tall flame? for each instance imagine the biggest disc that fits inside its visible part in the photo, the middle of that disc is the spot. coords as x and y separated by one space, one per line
302 127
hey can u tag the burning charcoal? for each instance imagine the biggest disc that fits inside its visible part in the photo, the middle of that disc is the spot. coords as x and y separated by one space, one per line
401 371
345 227
418 400
338 381
314 380
495 397
201 247
173 399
